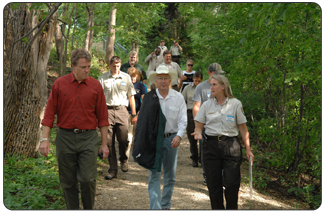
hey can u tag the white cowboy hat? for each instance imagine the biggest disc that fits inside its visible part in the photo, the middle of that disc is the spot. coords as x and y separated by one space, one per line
162 69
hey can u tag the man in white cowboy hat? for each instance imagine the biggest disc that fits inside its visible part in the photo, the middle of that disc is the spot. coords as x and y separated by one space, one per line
174 108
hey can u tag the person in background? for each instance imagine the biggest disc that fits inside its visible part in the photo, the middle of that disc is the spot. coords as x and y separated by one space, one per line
79 103
140 91
162 46
202 94
176 52
132 62
187 76
187 94
154 59
223 118
119 92
172 66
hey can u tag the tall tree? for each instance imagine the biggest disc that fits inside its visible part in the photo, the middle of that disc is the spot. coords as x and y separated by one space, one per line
28 41
111 33
90 24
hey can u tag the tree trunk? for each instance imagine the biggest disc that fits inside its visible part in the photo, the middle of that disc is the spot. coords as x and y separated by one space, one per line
25 89
111 31
135 47
58 37
90 24
63 40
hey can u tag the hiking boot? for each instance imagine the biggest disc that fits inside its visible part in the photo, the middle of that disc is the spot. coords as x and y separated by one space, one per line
110 176
124 167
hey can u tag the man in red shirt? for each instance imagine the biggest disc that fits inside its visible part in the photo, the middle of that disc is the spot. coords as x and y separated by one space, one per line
80 105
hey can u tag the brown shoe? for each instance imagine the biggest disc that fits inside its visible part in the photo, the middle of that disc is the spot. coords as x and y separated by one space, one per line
124 167
110 176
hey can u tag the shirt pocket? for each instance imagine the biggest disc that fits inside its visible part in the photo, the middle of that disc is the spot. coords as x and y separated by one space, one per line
173 112
122 86
213 117
230 121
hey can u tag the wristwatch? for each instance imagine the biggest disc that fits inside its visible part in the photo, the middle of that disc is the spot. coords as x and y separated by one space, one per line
43 139
133 115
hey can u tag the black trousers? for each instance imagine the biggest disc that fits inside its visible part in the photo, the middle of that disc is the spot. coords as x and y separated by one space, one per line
192 141
223 155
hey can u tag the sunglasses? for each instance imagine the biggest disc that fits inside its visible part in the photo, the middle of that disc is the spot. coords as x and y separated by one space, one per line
189 64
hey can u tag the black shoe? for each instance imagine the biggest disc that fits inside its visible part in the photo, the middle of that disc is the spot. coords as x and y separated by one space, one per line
205 181
110 176
124 167
195 163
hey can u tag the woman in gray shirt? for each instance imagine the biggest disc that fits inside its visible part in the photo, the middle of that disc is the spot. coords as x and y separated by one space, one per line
223 118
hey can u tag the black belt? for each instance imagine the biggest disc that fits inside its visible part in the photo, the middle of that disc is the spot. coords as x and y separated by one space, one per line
168 134
115 107
75 130
219 137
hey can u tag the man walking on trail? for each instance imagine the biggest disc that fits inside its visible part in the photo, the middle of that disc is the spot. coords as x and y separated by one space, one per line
174 110
162 46
119 90
202 94
176 52
79 103
172 66
132 56
154 59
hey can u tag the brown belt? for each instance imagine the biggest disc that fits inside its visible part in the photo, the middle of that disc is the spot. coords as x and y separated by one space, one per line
115 107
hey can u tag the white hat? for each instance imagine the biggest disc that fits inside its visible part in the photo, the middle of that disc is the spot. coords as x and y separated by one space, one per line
162 69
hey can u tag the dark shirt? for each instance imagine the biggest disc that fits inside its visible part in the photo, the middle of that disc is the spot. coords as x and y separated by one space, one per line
77 105
140 90
126 66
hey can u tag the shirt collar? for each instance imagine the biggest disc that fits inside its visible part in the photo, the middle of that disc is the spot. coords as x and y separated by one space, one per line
170 94
72 79
226 100
116 76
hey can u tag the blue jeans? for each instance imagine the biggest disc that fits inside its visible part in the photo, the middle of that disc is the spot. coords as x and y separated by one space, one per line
169 165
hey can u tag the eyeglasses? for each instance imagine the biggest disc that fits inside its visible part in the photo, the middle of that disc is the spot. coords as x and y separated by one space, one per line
162 78
189 64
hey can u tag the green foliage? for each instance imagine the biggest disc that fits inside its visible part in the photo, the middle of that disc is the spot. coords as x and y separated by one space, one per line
32 184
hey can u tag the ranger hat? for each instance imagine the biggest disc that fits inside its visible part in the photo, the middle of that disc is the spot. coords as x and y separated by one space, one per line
215 67
162 69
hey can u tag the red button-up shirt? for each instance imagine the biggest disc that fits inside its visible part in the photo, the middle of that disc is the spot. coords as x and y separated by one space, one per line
77 105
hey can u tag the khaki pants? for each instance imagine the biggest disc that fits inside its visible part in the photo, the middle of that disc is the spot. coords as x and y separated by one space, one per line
118 120
77 158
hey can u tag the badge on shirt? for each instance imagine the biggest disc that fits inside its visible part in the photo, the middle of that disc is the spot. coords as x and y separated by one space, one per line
230 118
123 83
208 95
242 110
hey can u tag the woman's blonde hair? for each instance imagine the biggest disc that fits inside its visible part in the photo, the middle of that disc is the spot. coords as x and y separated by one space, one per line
222 80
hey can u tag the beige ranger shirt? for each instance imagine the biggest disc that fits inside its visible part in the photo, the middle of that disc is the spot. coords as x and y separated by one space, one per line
176 67
221 119
187 94
117 88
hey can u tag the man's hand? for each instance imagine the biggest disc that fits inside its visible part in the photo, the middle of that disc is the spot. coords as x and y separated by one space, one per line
197 135
134 120
176 141
44 148
105 151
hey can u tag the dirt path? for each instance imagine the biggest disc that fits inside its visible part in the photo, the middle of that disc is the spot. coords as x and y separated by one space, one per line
129 190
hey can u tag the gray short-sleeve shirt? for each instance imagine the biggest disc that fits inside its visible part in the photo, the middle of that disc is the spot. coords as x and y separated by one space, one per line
202 92
221 119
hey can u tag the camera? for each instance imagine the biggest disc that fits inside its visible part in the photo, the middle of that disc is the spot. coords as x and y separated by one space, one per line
100 155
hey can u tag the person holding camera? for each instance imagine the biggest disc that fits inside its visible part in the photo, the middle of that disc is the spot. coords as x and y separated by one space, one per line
154 59
175 52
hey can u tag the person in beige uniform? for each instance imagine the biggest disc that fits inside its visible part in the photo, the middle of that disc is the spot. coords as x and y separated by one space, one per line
223 118
154 59
172 66
187 94
119 91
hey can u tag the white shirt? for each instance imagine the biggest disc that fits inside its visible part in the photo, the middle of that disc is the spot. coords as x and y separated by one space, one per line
175 111
221 119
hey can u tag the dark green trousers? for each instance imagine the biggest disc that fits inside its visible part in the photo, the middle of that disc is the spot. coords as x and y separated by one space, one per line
77 156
